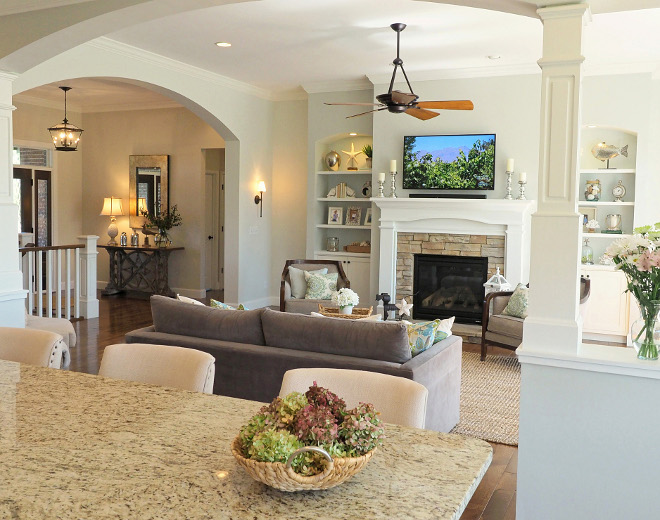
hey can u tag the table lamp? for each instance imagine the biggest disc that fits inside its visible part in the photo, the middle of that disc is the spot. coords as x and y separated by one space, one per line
112 207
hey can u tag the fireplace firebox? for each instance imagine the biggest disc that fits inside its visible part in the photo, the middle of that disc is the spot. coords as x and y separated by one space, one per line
445 286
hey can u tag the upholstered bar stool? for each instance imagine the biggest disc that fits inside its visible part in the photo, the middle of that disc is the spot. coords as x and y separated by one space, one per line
164 365
399 400
34 347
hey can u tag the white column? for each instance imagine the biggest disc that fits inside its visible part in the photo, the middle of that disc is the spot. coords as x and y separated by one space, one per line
553 323
89 304
387 268
12 295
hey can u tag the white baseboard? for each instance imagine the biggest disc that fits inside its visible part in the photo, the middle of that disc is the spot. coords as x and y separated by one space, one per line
190 293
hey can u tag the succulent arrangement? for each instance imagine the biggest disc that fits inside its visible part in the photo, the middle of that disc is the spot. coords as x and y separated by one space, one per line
316 418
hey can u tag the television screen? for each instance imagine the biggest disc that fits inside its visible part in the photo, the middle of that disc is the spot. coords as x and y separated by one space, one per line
449 162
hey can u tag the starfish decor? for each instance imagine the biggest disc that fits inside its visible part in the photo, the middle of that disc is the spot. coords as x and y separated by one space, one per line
404 307
351 157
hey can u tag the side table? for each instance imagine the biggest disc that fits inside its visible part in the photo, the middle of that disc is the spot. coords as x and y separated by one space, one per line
139 269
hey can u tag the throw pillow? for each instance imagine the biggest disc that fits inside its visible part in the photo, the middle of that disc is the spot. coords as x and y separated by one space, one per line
320 286
219 305
444 329
421 336
297 279
517 306
185 299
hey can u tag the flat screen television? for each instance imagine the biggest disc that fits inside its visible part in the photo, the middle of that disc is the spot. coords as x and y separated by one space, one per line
449 162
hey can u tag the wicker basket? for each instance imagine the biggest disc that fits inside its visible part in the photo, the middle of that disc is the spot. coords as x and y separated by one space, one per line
358 312
281 476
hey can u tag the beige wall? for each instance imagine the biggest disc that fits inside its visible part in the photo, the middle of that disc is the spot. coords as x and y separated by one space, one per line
288 194
110 137
30 128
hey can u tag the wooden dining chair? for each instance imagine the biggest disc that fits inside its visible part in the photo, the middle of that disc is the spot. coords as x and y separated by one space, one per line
33 347
399 400
164 365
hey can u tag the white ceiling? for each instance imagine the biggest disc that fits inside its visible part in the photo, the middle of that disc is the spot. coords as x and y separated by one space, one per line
280 45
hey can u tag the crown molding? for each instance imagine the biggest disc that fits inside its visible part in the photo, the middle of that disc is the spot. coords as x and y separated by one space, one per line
47 103
611 69
338 86
466 73
24 6
295 94
178 67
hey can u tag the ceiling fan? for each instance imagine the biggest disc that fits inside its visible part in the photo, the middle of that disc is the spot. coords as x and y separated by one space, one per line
397 102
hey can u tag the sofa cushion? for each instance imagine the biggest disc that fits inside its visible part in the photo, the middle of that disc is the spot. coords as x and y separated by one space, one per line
174 317
364 339
506 325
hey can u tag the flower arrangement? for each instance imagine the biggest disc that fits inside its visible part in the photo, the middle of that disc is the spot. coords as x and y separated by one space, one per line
638 257
164 222
345 298
317 418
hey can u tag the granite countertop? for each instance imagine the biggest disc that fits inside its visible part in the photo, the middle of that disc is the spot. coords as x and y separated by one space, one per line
80 446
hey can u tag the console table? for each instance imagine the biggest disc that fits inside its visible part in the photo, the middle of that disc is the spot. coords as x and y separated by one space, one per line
139 269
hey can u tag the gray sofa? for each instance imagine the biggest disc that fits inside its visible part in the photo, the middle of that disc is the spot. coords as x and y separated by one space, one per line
253 349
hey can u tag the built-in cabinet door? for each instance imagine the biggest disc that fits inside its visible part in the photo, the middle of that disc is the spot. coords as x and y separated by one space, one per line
609 303
357 271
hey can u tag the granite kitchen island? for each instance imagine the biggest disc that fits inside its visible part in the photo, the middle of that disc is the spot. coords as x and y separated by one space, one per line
80 446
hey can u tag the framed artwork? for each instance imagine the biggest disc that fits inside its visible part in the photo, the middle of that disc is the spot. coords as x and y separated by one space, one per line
588 213
335 215
367 217
353 216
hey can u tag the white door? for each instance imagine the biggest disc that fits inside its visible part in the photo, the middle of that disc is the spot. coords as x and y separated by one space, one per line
214 236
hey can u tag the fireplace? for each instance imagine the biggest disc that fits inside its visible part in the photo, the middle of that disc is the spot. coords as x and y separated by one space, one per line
446 286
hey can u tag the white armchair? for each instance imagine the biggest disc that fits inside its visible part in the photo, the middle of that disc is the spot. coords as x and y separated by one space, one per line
34 347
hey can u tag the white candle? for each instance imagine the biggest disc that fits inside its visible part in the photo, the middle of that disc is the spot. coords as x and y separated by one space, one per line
381 177
509 165
392 165
523 176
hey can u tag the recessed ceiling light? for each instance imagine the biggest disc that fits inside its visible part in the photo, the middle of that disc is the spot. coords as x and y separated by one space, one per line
353 133
223 44
494 56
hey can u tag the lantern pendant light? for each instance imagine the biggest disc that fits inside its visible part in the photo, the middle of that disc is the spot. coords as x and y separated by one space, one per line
65 136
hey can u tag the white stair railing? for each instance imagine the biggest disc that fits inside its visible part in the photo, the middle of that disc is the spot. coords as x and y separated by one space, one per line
52 276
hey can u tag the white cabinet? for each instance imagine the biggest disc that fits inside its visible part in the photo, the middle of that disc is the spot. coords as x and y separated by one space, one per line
357 269
608 309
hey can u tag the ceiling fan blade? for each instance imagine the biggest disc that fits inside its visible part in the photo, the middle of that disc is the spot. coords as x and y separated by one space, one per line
422 114
447 105
402 98
356 104
367 112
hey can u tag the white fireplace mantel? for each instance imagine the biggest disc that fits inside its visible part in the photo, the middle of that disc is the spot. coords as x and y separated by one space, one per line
508 218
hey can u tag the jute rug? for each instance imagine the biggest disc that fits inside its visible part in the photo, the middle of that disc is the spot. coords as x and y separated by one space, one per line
490 398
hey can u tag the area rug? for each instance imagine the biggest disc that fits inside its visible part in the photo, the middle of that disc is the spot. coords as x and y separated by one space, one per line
490 398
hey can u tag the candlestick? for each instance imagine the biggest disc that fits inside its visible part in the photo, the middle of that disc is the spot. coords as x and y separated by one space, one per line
381 183
522 191
393 166
393 186
523 177
381 177
509 165
509 175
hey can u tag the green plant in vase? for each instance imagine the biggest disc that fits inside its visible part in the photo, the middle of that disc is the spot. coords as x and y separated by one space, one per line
163 222
638 257
368 151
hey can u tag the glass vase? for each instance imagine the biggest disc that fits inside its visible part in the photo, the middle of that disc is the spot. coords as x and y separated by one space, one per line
162 239
645 332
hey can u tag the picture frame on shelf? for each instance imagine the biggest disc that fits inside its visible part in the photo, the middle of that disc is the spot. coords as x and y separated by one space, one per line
367 217
588 213
353 216
335 215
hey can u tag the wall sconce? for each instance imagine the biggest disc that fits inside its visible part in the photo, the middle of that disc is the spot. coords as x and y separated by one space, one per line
112 207
259 199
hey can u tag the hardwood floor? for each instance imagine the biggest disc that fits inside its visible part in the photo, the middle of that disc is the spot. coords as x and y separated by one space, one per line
494 499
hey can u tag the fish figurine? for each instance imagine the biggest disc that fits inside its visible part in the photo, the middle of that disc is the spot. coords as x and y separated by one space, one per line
605 152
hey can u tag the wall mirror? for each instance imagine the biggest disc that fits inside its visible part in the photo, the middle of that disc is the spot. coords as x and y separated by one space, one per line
148 186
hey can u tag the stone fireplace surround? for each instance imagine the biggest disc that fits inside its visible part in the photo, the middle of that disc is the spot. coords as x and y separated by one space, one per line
450 222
